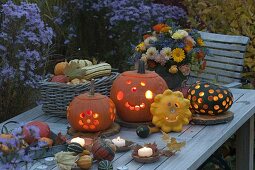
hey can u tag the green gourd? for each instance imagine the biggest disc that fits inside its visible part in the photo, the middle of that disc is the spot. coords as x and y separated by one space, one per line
105 165
75 147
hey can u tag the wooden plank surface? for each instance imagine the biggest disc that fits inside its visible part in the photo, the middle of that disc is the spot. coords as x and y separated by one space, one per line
202 141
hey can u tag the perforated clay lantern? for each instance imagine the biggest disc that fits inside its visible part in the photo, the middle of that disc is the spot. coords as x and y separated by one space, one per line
134 91
91 112
208 98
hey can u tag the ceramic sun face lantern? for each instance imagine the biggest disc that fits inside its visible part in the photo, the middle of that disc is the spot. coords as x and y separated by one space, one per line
133 92
91 112
170 111
208 98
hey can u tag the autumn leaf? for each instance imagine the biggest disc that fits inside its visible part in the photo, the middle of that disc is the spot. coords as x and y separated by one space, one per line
174 146
166 138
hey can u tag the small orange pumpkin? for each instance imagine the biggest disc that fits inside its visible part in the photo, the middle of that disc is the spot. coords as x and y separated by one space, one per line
91 112
59 68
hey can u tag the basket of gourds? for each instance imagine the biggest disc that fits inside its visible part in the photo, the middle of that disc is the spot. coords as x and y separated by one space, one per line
71 79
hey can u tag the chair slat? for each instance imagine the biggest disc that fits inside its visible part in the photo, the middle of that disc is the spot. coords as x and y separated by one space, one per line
224 38
224 73
225 46
223 67
222 59
231 54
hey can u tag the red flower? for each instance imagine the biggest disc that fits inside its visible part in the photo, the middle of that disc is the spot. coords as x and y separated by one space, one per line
200 55
146 36
151 63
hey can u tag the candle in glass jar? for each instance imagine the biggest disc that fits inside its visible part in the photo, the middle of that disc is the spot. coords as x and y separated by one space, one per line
79 140
119 142
145 152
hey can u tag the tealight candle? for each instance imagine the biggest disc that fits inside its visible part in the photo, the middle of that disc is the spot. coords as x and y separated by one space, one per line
145 152
79 140
119 142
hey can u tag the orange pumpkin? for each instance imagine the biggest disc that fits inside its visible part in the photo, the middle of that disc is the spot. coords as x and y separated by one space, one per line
44 131
133 92
91 112
59 68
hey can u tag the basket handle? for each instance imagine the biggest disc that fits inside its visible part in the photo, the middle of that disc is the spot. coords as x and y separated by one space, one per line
4 128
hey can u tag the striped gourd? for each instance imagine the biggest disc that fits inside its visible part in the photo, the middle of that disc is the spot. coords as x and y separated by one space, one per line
101 150
75 147
105 165
98 70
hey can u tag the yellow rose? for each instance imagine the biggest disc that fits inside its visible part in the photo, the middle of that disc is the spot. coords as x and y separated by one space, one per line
140 47
180 34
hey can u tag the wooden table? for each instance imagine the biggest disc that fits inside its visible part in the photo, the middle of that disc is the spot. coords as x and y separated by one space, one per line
201 141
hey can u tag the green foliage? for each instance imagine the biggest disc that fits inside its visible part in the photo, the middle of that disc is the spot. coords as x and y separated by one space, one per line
228 17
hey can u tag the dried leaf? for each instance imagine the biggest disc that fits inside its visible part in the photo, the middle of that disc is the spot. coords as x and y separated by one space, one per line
167 153
174 146
166 138
60 139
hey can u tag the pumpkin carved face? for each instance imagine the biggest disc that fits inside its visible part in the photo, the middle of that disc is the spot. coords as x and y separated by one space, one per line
170 111
91 113
133 94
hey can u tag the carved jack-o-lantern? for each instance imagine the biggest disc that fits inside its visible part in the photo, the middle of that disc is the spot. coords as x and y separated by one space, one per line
91 112
133 92
208 98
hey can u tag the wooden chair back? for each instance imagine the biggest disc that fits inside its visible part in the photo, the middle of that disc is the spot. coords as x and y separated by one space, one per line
225 60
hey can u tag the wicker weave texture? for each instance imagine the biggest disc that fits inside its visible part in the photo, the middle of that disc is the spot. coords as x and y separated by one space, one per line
57 96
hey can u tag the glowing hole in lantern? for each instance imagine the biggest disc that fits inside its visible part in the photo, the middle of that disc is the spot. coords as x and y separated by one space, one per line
111 110
88 121
193 92
142 83
202 111
201 94
95 115
230 103
197 86
129 82
177 105
211 91
82 115
81 123
133 89
131 108
210 112
142 105
200 100
216 107
89 112
148 94
85 126
189 97
224 103
225 91
205 106
226 106
218 90
215 98
210 98
127 104
194 98
96 122
227 99
137 108
206 85
120 95
219 111
220 96
195 106
92 126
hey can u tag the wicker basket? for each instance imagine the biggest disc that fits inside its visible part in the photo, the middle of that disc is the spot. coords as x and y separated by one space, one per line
57 96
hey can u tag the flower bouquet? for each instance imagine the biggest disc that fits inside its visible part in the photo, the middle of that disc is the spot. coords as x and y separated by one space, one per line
172 52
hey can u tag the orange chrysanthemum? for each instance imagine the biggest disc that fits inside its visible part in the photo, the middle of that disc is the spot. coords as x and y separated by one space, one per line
200 42
165 29
178 55
188 48
158 27
146 36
